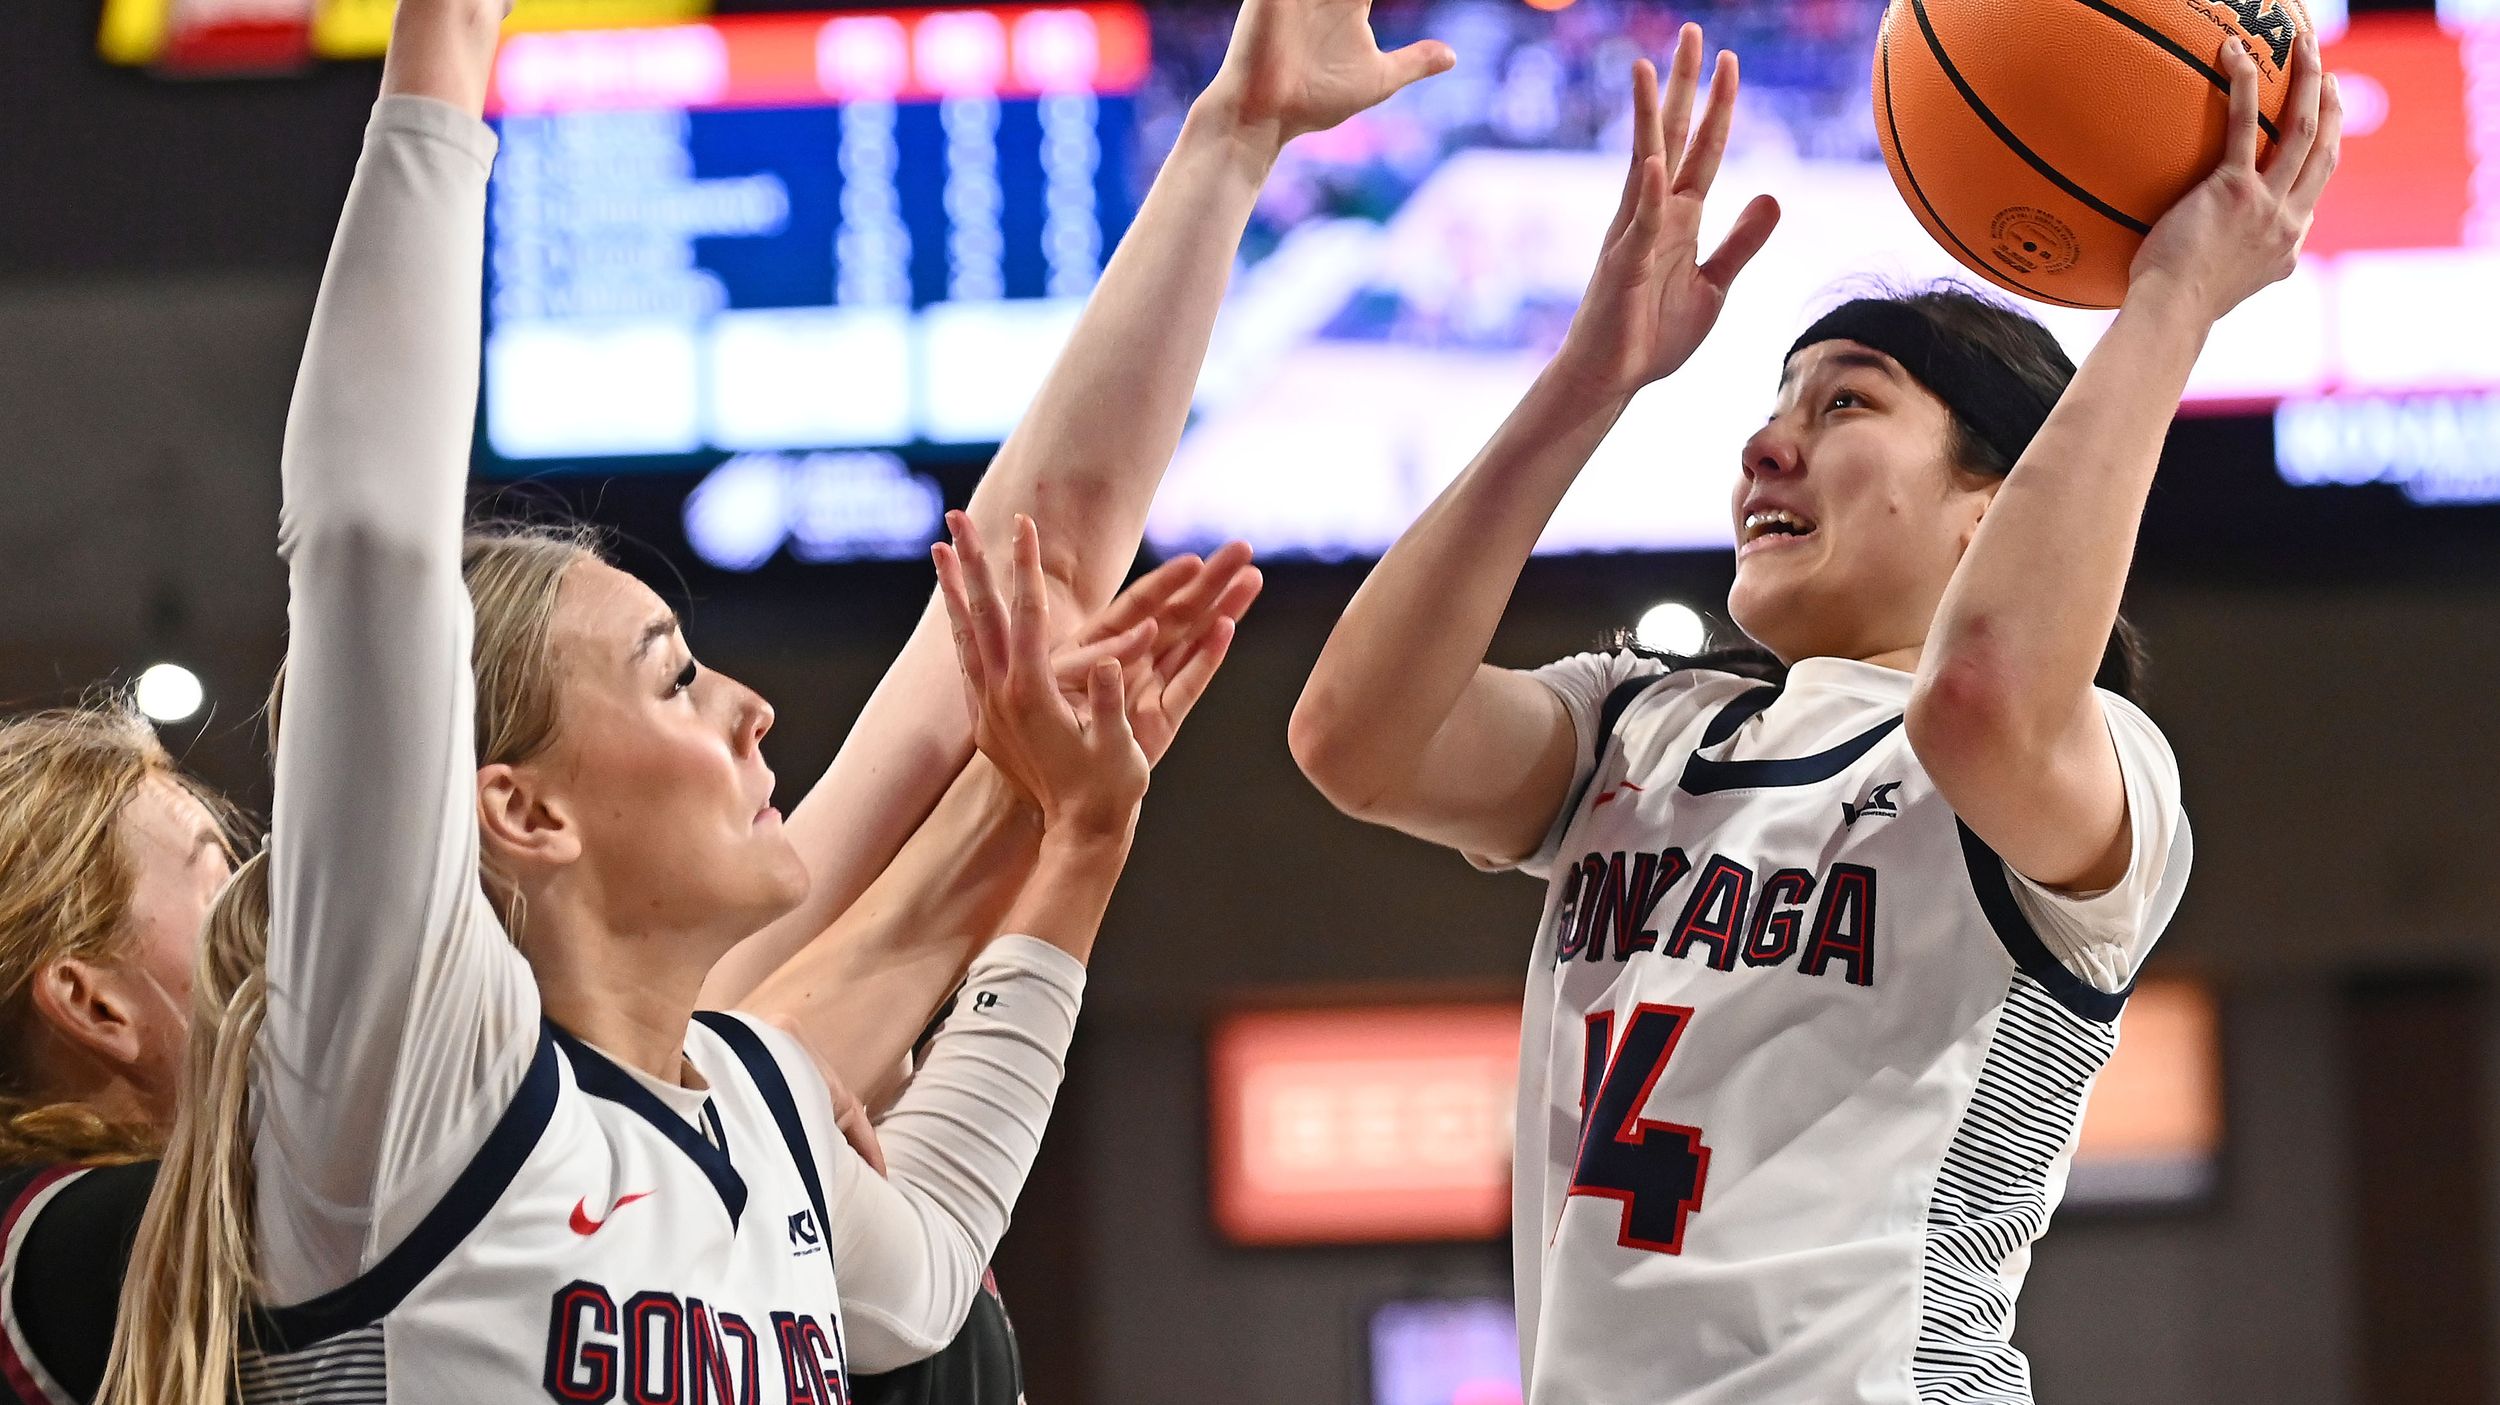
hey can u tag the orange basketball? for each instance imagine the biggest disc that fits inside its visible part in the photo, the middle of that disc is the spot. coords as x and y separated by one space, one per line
2038 140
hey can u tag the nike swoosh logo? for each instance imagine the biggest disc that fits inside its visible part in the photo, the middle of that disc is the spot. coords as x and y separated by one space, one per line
585 1226
1608 796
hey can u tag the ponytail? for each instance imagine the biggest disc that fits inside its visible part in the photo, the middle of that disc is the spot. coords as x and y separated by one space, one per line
178 1337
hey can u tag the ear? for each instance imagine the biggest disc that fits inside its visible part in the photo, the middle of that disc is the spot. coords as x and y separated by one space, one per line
1987 499
530 831
86 1006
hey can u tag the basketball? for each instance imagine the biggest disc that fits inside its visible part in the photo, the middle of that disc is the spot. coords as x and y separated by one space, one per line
2038 140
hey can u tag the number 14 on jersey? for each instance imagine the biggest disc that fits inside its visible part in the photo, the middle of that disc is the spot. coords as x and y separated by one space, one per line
1653 1169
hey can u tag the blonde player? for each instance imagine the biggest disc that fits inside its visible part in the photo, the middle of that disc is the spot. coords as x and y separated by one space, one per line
425 1112
1827 965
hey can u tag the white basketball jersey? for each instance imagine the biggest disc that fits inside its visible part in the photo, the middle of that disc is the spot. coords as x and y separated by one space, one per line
1800 1082
599 1247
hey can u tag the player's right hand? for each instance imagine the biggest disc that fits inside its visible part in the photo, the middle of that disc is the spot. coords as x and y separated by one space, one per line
2241 227
1079 765
1652 300
1297 66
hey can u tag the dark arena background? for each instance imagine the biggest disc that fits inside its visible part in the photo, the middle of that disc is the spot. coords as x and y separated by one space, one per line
768 330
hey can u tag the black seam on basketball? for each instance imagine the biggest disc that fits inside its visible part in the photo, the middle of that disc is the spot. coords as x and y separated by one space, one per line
1901 153
2180 52
2014 143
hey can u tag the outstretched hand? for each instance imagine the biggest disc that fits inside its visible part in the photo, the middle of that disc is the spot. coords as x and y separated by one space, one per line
1297 66
1170 630
2241 227
1652 298
1080 765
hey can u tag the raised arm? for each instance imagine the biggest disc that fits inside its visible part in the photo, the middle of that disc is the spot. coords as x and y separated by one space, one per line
2004 716
959 1142
1085 459
373 826
1402 722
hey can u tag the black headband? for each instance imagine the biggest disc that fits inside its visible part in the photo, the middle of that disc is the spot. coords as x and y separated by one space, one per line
1982 391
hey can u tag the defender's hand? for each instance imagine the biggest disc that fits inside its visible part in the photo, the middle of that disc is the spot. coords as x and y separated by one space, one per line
1082 768
1297 66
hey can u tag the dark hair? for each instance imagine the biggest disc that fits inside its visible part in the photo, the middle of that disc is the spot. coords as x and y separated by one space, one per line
2017 340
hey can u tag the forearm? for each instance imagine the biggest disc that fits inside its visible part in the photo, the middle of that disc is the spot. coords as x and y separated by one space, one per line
443 49
860 993
959 1144
1086 458
1412 639
1063 902
2022 627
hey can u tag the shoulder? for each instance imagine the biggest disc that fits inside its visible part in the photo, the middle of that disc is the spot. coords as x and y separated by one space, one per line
68 1229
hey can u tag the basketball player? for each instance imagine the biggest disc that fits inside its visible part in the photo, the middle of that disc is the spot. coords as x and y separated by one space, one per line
405 1110
1827 964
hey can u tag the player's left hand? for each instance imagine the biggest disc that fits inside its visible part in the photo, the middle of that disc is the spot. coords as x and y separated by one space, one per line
2241 228
1297 66
1081 766
1169 630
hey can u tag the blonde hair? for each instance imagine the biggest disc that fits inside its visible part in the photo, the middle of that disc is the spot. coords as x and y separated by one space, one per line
66 776
179 1339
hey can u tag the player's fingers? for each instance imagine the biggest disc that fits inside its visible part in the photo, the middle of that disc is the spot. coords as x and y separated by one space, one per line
1701 162
1675 105
1644 109
1136 641
2300 121
1228 608
1416 62
1190 682
1744 240
2323 157
1649 215
985 611
1145 597
1029 614
1106 704
950 574
2239 127
1644 130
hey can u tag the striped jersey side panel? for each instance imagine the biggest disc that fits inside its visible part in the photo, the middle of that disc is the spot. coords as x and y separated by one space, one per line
1992 1196
348 1369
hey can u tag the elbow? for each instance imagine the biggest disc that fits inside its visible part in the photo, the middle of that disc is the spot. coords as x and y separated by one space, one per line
368 541
1330 756
1963 714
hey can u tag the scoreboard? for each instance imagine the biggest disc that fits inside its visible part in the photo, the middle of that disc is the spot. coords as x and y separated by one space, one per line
798 232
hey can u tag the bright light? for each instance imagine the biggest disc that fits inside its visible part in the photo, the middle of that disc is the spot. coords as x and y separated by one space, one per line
1672 627
168 692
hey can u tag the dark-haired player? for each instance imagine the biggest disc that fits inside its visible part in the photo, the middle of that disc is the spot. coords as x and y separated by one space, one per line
1829 959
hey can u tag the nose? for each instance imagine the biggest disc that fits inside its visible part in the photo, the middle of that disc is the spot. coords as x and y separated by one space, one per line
752 719
1771 452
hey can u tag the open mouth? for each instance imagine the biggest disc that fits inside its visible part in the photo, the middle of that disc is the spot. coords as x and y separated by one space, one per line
1771 527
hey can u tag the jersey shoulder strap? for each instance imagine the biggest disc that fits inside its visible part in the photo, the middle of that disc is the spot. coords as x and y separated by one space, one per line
765 1072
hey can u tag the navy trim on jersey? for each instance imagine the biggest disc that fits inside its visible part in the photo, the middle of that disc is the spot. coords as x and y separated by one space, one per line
1747 706
2032 955
371 1295
1704 776
599 1076
765 1070
1618 701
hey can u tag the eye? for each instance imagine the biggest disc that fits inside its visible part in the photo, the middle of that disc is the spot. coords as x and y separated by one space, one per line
1845 400
683 680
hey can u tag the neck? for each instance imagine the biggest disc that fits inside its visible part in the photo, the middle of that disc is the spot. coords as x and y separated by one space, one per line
632 993
1904 659
55 1075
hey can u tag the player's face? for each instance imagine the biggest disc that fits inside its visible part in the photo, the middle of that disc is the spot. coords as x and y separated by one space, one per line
178 862
1850 515
657 767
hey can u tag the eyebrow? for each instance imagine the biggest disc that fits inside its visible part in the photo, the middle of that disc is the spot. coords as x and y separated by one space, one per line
652 633
1859 360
